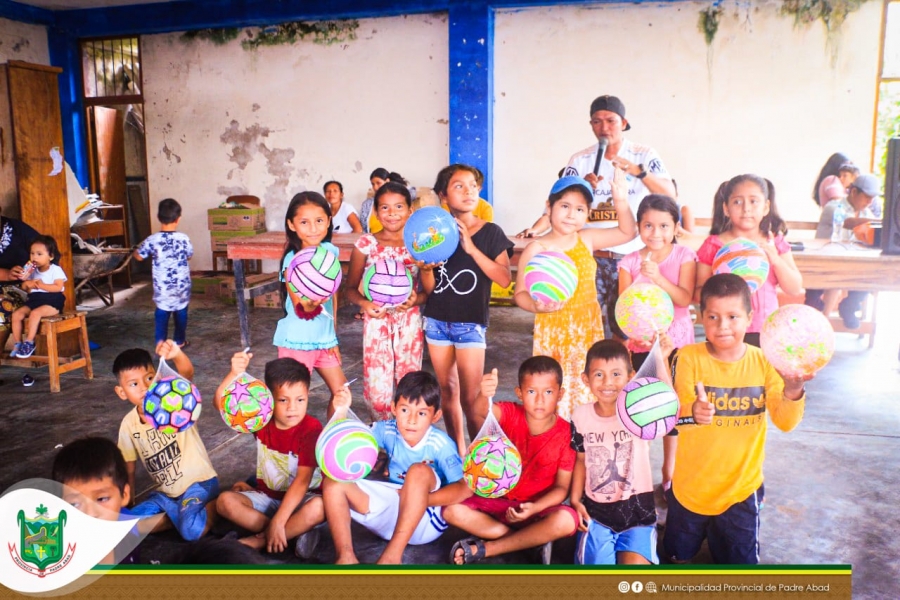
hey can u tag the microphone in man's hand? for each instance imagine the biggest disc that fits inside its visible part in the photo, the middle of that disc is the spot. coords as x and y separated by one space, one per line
601 150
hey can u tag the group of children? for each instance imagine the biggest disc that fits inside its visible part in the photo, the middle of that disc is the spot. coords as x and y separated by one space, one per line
582 472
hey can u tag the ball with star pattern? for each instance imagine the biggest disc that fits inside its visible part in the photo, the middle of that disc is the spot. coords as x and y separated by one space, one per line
493 466
247 404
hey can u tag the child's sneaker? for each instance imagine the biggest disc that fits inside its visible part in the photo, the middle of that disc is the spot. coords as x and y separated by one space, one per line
25 350
15 351
306 544
27 380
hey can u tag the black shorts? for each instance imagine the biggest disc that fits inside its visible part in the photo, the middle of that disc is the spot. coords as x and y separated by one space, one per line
55 299
733 535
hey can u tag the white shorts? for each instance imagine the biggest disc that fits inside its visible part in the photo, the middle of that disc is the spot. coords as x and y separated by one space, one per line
384 508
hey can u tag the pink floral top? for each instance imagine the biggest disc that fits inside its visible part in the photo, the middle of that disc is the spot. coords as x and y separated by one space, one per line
763 301
682 328
368 245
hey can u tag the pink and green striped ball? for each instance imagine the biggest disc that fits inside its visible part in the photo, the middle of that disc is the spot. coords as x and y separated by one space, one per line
346 450
551 277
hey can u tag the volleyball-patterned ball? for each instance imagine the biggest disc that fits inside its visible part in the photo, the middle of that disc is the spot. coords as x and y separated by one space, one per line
797 339
247 404
387 282
314 273
346 450
745 259
492 467
643 309
172 404
551 277
648 407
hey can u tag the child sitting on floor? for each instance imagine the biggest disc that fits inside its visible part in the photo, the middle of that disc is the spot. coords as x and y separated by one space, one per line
281 506
532 513
95 481
425 473
177 462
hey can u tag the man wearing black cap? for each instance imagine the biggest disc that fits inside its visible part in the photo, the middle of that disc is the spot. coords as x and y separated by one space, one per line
646 175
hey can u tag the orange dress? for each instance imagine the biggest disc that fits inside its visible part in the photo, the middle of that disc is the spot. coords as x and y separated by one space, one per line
568 333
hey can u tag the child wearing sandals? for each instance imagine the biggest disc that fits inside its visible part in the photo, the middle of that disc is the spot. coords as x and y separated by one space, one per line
532 513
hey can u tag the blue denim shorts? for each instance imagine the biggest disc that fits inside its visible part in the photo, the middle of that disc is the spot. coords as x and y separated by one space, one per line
187 512
600 544
460 335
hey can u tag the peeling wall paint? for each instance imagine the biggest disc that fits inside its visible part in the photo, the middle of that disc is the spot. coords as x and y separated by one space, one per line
282 119
20 41
769 101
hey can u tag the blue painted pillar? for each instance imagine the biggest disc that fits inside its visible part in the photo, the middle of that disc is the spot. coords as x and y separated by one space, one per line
471 87
66 53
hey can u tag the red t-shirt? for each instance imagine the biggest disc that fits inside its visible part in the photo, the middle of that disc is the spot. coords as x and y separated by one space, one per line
280 451
542 455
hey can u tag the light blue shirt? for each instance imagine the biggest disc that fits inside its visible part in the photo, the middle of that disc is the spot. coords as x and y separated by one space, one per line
298 334
436 450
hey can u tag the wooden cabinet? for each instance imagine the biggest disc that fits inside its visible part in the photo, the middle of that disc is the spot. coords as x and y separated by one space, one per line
31 149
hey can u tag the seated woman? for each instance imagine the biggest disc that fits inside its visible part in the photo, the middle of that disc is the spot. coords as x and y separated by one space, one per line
15 241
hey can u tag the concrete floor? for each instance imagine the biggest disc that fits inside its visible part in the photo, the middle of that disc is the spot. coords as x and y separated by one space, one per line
831 488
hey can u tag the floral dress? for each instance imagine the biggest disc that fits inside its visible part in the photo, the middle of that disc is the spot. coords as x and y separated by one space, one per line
567 333
392 345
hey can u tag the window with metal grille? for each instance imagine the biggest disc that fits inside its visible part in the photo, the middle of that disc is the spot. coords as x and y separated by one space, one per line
112 70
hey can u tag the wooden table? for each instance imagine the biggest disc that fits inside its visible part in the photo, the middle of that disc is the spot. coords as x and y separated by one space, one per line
823 265
270 245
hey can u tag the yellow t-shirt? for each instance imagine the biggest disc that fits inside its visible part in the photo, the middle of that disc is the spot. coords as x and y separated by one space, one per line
174 461
720 464
483 210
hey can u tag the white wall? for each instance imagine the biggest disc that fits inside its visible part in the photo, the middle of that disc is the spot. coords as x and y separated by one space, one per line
765 99
20 41
274 121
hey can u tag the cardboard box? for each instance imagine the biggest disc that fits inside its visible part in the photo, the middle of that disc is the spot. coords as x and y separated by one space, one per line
206 283
269 300
220 239
237 219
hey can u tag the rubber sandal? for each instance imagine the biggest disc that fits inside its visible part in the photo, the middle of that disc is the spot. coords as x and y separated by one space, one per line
469 557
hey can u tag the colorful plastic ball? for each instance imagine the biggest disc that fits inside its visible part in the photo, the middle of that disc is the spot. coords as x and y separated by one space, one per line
172 404
644 309
247 404
745 259
797 339
315 273
551 277
648 407
431 234
492 467
387 282
346 450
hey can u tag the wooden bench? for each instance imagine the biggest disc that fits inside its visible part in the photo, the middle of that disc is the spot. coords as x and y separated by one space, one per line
50 329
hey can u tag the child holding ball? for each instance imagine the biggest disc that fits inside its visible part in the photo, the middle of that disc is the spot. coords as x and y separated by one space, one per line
392 336
744 207
307 332
456 313
564 330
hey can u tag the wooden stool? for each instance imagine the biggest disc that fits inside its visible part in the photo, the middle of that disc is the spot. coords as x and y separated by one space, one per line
50 328
866 322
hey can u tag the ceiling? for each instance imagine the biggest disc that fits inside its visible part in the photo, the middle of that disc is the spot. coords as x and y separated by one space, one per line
76 4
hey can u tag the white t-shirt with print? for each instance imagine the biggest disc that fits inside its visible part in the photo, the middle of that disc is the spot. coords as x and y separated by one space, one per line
603 213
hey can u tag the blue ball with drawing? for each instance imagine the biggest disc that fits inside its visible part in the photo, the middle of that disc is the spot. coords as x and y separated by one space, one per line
431 235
